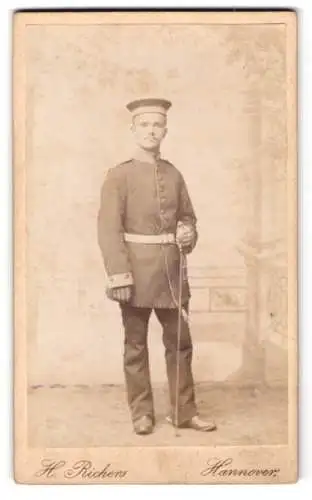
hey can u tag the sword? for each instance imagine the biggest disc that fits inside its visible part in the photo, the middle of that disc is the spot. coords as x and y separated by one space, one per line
180 312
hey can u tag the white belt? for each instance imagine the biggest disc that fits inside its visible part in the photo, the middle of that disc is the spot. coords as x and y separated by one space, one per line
150 238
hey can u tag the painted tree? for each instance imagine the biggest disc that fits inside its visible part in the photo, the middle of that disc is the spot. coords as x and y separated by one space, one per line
260 54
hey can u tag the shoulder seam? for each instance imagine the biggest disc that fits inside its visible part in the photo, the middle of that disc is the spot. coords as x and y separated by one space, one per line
119 165
122 163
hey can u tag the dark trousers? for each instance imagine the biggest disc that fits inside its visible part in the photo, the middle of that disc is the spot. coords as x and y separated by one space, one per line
136 362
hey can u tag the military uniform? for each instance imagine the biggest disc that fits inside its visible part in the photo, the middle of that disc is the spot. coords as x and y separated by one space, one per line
141 200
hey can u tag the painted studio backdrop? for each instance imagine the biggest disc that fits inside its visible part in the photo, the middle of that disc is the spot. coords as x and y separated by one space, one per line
227 135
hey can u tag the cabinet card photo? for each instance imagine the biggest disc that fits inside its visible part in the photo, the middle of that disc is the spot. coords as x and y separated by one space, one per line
155 247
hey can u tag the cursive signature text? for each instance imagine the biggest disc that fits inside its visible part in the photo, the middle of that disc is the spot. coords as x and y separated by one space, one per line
83 469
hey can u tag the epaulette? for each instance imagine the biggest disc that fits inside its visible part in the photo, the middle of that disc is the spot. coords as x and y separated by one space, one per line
116 169
127 162
119 166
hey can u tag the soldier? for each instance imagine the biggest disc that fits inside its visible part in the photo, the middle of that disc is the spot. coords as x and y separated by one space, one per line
146 223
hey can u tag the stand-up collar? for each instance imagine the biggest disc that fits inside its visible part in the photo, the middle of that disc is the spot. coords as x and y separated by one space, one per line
146 156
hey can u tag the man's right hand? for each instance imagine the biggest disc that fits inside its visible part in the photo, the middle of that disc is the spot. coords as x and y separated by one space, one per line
120 294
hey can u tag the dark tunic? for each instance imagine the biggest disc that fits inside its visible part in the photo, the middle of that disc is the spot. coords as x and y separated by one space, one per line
148 199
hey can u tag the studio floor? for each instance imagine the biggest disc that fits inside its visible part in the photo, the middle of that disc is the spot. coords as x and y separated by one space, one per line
83 416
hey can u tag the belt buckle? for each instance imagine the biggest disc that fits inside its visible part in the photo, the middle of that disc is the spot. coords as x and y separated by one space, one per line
168 238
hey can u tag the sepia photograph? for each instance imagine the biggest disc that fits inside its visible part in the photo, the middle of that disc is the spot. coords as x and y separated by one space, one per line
155 265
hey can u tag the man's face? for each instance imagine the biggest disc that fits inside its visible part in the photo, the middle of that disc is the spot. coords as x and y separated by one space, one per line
149 129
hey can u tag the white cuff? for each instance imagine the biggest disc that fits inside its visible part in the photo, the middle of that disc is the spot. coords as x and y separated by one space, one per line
118 280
